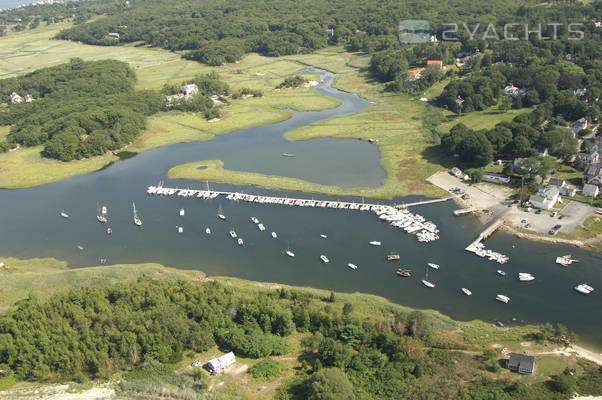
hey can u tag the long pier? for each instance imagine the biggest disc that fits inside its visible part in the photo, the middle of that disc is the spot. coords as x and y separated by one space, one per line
398 216
485 234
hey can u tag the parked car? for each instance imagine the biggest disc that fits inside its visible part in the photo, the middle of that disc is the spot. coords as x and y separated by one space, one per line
553 214
538 212
557 226
561 217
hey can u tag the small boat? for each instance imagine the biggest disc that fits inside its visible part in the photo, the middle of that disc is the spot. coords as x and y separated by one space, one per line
434 266
208 231
524 276
352 266
323 236
426 282
565 261
232 234
220 214
404 272
261 227
137 221
288 155
502 273
180 229
79 246
588 287
289 253
324 258
240 242
466 291
182 212
583 289
103 210
109 231
101 219
375 243
255 220
274 235
64 214
393 256
502 298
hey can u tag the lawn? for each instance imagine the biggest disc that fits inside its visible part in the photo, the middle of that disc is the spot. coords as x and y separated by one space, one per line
486 119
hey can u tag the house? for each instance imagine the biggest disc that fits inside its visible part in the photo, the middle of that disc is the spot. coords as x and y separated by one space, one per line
521 363
579 125
590 158
514 91
559 183
593 175
495 178
590 190
416 73
545 198
190 89
434 64
15 98
113 35
217 364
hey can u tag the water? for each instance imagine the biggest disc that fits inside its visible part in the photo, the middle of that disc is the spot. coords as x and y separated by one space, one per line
30 226
4 4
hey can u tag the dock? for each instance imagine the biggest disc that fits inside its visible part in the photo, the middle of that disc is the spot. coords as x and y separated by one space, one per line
465 211
478 248
398 216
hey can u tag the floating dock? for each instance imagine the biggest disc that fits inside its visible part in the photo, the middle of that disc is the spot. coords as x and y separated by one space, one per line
398 215
479 248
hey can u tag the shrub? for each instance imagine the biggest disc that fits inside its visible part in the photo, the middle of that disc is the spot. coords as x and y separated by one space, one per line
266 369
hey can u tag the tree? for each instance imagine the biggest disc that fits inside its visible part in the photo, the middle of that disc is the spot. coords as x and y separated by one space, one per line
330 384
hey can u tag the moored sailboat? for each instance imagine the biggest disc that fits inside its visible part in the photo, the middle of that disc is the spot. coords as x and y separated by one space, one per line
324 258
220 214
466 291
137 220
426 281
64 214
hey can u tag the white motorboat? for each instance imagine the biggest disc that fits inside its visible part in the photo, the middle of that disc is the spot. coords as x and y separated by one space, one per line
64 214
466 291
524 277
426 281
180 229
375 243
352 266
220 214
502 298
584 288
240 242
324 258
182 212
109 231
289 253
137 220
208 231
323 236
434 266
232 234
255 220
274 235
261 227
103 210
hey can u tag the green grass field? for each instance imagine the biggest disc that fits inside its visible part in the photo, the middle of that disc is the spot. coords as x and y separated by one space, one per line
486 119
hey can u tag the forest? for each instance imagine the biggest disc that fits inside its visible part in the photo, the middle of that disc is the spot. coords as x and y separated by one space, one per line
93 333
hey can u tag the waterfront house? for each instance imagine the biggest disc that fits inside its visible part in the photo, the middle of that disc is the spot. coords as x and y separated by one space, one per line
590 190
495 178
521 363
545 198
580 125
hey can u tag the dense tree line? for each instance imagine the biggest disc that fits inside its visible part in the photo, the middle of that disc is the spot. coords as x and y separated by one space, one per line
519 138
80 109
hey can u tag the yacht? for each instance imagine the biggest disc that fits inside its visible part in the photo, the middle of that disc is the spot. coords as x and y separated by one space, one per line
232 234
524 276
261 227
240 242
404 272
180 229
584 288
502 273
274 235
182 212
426 282
255 220
434 266
466 291
208 231
352 266
324 258
323 236
502 298
375 243
109 231
137 221
64 214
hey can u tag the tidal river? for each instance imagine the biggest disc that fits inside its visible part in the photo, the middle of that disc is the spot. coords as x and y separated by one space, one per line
30 226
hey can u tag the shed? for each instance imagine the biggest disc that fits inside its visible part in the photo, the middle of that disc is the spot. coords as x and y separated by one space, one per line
521 363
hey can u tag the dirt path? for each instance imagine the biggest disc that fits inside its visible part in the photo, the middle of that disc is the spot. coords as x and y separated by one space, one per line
574 349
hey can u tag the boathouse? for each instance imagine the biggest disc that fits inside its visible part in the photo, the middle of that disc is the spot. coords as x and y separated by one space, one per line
521 363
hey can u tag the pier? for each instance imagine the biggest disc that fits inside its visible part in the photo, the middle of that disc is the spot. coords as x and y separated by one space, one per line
398 216
465 211
479 248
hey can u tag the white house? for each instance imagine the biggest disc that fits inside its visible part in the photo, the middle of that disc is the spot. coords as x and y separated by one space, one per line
15 98
514 91
217 364
495 178
546 198
579 125
590 190
190 89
